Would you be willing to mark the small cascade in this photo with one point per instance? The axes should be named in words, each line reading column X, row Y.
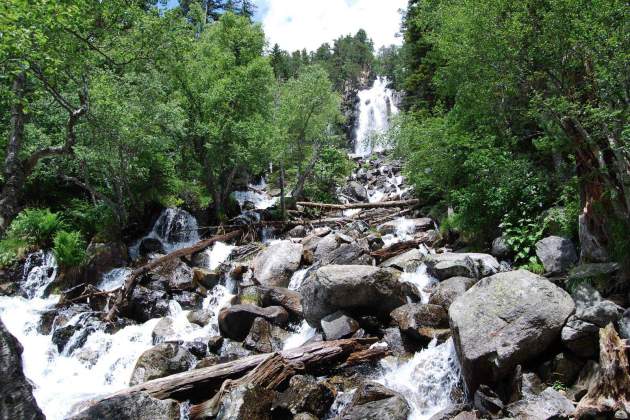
column 218, row 254
column 428, row 381
column 114, row 279
column 297, row 278
column 40, row 270
column 421, row 279
column 377, row 105
column 302, row 334
column 255, row 197
column 175, row 229
column 404, row 232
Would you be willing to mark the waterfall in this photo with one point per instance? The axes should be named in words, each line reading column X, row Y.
column 40, row 270
column 376, row 106
column 175, row 229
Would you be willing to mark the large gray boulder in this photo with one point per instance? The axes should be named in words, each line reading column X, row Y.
column 556, row 254
column 549, row 404
column 447, row 291
column 421, row 321
column 275, row 265
column 505, row 320
column 356, row 190
column 131, row 407
column 592, row 312
column 16, row 401
column 338, row 325
column 236, row 320
column 264, row 337
column 160, row 361
column 470, row 264
column 404, row 261
column 356, row 289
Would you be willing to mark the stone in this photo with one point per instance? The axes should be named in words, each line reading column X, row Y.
column 398, row 344
column 160, row 361
column 450, row 264
column 103, row 257
column 356, row 190
column 215, row 343
column 356, row 289
column 16, row 401
column 394, row 408
column 150, row 246
column 246, row 402
column 304, row 394
column 420, row 321
column 556, row 254
column 236, row 320
column 404, row 260
column 275, row 265
column 305, row 416
column 487, row 402
column 592, row 312
column 338, row 325
column 505, row 320
column 549, row 404
column 201, row 317
column 375, row 242
column 280, row 296
column 445, row 293
column 500, row 248
column 131, row 407
column 624, row 325
column 264, row 337
column 163, row 330
column 565, row 369
column 297, row 232
column 206, row 278
column 346, row 254
column 596, row 274
column 146, row 304
column 451, row 412
column 207, row 362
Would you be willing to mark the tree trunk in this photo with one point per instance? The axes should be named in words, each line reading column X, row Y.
column 14, row 177
column 298, row 191
column 610, row 391
column 283, row 203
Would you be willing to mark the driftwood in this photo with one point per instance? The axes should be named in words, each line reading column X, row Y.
column 201, row 384
column 271, row 374
column 381, row 204
column 130, row 283
column 610, row 391
column 401, row 247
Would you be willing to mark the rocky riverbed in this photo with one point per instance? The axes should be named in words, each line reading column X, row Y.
column 374, row 313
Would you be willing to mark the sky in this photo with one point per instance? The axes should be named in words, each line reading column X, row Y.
column 297, row 24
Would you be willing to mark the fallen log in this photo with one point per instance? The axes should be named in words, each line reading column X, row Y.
column 130, row 283
column 201, row 384
column 401, row 247
column 610, row 392
column 381, row 204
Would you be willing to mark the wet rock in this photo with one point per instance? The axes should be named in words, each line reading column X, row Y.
column 206, row 278
column 235, row 321
column 104, row 257
column 405, row 260
column 447, row 291
column 297, row 232
column 394, row 408
column 188, row 300
column 163, row 330
column 215, row 343
column 338, row 325
column 160, row 361
column 280, row 296
column 356, row 190
column 131, row 407
column 246, row 402
column 487, row 402
column 375, row 242
column 150, row 246
column 146, row 304
column 505, row 320
column 500, row 248
column 421, row 321
column 581, row 333
column 414, row 225
column 208, row 361
column 201, row 317
column 16, row 401
column 197, row 348
column 275, row 265
column 550, row 404
column 556, row 254
column 624, row 325
column 471, row 264
column 452, row 412
column 357, row 289
column 398, row 344
column 304, row 395
column 264, row 337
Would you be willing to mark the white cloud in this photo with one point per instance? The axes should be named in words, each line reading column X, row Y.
column 297, row 24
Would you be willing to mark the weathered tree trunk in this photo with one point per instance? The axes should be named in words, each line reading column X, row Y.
column 298, row 191
column 382, row 204
column 201, row 384
column 611, row 390
column 130, row 283
column 13, row 170
column 283, row 203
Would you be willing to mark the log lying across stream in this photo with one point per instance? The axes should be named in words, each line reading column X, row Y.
column 201, row 384
column 382, row 204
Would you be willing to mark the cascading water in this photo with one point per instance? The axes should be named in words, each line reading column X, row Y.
column 376, row 106
column 257, row 195
column 40, row 270
column 175, row 229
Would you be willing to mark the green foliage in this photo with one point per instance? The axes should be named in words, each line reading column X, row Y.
column 69, row 249
column 35, row 227
column 522, row 236
column 559, row 386
column 331, row 169
column 11, row 250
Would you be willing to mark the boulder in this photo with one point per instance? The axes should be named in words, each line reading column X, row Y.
column 505, row 320
column 304, row 394
column 592, row 312
column 201, row 317
column 246, row 402
column 487, row 402
column 280, row 296
column 549, row 404
column 348, row 253
column 264, row 337
column 624, row 325
column 146, row 304
column 17, row 401
column 356, row 191
column 356, row 289
column 500, row 248
column 150, row 246
column 275, row 265
column 421, row 321
column 394, row 408
column 215, row 343
column 406, row 260
column 297, row 232
column 450, row 289
column 556, row 254
column 160, row 361
column 450, row 264
column 131, row 407
column 163, row 330
column 338, row 325
column 206, row 278
column 104, row 257
column 411, row 226
column 236, row 321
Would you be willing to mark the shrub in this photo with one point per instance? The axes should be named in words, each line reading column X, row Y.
column 12, row 249
column 522, row 237
column 69, row 249
column 35, row 226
